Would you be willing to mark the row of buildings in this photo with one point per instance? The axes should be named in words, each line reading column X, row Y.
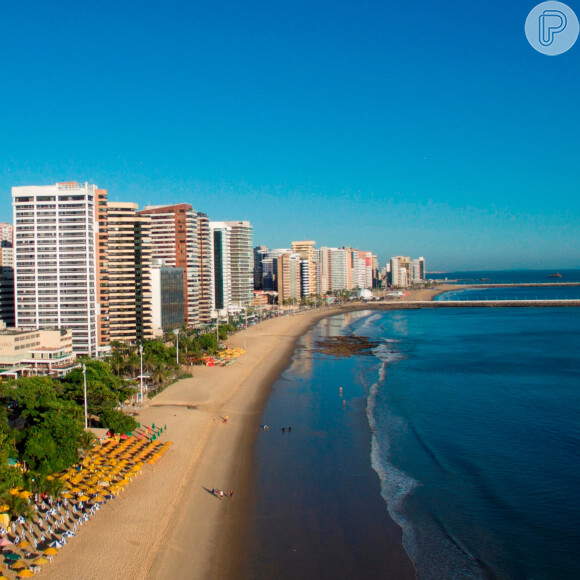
column 402, row 271
column 304, row 270
column 108, row 271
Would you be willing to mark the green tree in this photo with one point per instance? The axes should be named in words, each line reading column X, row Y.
column 117, row 421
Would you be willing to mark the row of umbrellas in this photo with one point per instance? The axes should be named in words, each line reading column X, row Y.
column 102, row 474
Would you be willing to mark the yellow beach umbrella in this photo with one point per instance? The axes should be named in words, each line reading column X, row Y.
column 40, row 561
column 50, row 552
column 4, row 519
column 24, row 544
column 84, row 498
column 14, row 491
column 18, row 566
column 25, row 574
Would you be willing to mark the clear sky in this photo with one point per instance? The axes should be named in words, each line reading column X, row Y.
column 416, row 128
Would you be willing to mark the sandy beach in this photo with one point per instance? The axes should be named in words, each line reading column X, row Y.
column 167, row 524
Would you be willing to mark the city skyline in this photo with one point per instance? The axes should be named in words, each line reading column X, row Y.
column 449, row 136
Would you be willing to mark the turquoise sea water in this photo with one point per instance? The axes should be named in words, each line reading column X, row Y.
column 468, row 419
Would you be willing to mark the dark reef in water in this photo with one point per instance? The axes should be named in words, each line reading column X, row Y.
column 346, row 346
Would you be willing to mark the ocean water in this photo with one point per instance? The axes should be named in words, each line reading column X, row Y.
column 463, row 426
column 476, row 432
column 513, row 293
column 507, row 276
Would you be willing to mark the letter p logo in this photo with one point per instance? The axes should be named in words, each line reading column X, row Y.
column 552, row 28
column 551, row 22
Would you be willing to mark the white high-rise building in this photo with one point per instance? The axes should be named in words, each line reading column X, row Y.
column 54, row 262
column 242, row 263
column 418, row 270
column 338, row 269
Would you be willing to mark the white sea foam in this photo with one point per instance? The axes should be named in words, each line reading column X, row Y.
column 433, row 551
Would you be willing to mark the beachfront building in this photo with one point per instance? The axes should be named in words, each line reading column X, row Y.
column 260, row 253
column 6, row 245
column 288, row 277
column 400, row 271
column 7, row 295
column 35, row 352
column 221, row 280
column 308, row 254
column 205, row 261
column 241, row 263
column 174, row 240
column 339, row 269
column 54, row 260
column 167, row 298
column 322, row 260
column 126, row 294
column 418, row 273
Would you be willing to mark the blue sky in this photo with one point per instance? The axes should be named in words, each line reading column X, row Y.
column 423, row 128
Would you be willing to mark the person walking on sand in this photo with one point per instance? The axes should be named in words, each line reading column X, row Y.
column 231, row 494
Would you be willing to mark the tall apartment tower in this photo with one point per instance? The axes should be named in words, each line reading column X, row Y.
column 54, row 262
column 400, row 271
column 6, row 245
column 339, row 269
column 222, row 271
column 128, row 262
column 260, row 252
column 308, row 254
column 205, row 261
column 7, row 274
column 288, row 276
column 175, row 241
column 242, row 263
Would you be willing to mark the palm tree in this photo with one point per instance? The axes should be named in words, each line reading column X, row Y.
column 87, row 441
column 55, row 487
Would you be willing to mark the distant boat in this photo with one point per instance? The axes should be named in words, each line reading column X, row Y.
column 556, row 275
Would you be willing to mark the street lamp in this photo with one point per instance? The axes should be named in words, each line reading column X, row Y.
column 84, row 367
column 176, row 332
column 141, row 376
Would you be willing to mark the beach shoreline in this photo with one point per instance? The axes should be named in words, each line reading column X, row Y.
column 167, row 523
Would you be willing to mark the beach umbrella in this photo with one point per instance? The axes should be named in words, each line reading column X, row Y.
column 18, row 566
column 5, row 542
column 14, row 491
column 25, row 574
column 84, row 498
column 55, row 544
column 4, row 520
column 12, row 556
column 24, row 544
column 50, row 552
column 40, row 561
